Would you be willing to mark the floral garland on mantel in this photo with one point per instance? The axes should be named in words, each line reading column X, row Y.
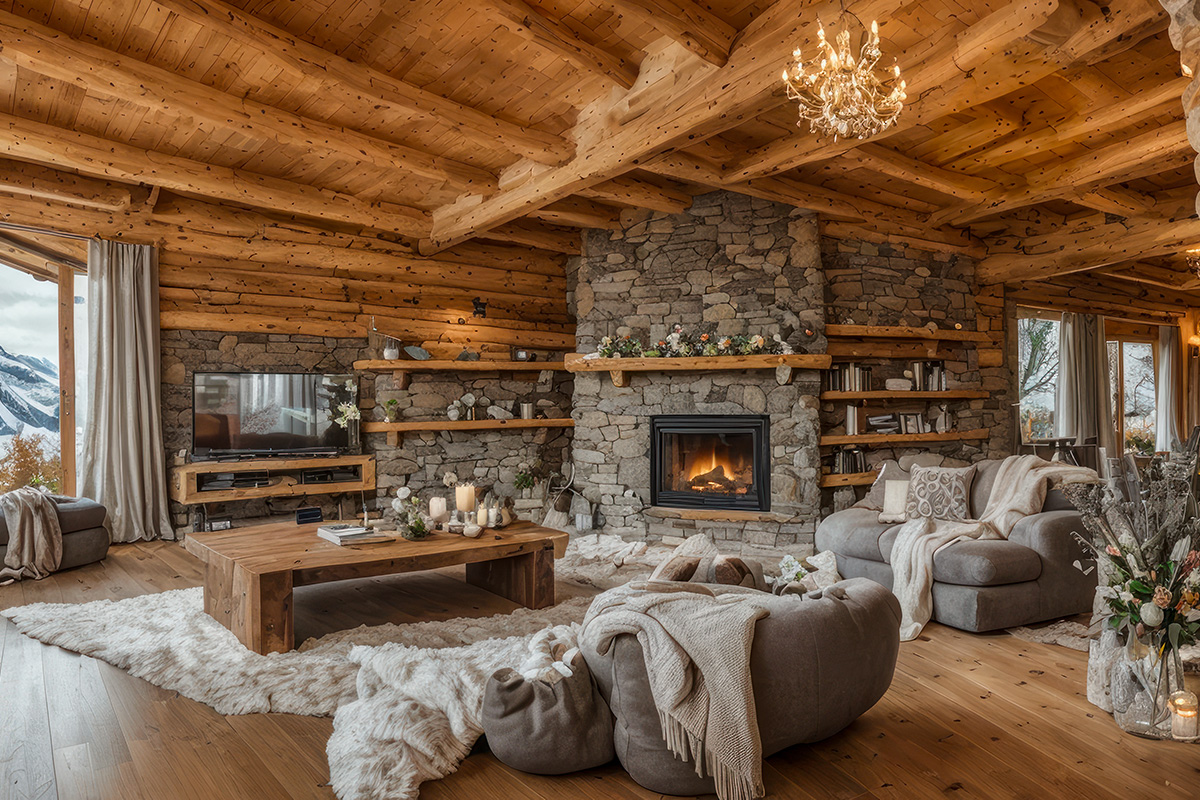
column 680, row 344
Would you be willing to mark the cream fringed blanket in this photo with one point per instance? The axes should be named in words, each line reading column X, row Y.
column 697, row 648
column 1019, row 490
column 34, row 535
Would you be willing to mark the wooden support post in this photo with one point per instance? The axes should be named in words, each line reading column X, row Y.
column 526, row 579
column 66, row 377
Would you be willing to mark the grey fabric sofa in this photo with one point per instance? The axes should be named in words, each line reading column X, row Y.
column 85, row 539
column 980, row 585
column 817, row 664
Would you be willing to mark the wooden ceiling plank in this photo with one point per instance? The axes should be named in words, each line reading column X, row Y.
column 1119, row 160
column 49, row 255
column 627, row 190
column 689, row 23
column 526, row 20
column 333, row 74
column 745, row 87
column 888, row 162
column 978, row 65
column 544, row 237
column 1097, row 240
column 104, row 72
column 33, row 180
column 580, row 213
column 1141, row 272
column 103, row 158
column 1116, row 200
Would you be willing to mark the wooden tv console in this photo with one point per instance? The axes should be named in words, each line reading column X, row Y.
column 285, row 478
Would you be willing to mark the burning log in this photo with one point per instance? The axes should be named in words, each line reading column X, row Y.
column 715, row 476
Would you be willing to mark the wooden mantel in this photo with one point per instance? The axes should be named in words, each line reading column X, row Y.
column 619, row 368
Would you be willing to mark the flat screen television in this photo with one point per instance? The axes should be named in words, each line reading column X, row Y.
column 268, row 414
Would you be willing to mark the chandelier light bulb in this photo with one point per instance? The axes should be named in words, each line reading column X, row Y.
column 839, row 92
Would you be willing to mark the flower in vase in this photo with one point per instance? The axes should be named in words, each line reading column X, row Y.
column 1112, row 550
column 1162, row 597
column 1152, row 615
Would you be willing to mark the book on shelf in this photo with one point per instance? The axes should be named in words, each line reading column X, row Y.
column 884, row 423
column 927, row 376
column 850, row 377
column 849, row 461
column 852, row 420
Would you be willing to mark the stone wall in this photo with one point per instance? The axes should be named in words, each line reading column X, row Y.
column 730, row 264
column 881, row 284
column 418, row 461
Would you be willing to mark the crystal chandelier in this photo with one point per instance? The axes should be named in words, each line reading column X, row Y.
column 840, row 95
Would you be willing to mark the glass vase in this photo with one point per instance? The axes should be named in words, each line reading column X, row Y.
column 1142, row 684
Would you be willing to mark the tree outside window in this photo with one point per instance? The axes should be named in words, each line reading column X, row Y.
column 1037, row 374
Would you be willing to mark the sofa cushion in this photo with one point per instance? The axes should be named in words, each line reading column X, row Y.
column 986, row 562
column 74, row 514
column 888, row 471
column 940, row 492
column 981, row 487
column 852, row 532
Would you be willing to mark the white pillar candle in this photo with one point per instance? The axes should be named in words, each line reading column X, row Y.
column 481, row 514
column 437, row 509
column 1185, row 724
column 464, row 497
column 493, row 516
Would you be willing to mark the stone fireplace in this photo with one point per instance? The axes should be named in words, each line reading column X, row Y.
column 720, row 461
column 730, row 264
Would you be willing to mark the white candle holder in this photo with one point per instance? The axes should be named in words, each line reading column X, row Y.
column 1185, row 716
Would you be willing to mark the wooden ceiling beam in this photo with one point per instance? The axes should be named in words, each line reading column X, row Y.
column 533, row 234
column 42, row 183
column 710, row 104
column 50, row 256
column 580, row 213
column 1116, row 200
column 103, row 72
column 997, row 55
column 887, row 162
column 1025, row 143
column 331, row 75
column 526, row 20
column 48, row 145
column 16, row 260
column 638, row 193
column 689, row 23
column 1153, row 275
column 1154, row 151
column 1061, row 298
column 1090, row 242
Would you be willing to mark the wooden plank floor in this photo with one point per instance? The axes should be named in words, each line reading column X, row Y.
column 967, row 716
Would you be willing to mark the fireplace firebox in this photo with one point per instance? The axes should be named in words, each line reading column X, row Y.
column 710, row 461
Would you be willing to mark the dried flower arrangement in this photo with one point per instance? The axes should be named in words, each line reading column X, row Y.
column 679, row 344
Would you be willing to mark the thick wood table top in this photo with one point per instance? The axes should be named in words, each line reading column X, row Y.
column 284, row 547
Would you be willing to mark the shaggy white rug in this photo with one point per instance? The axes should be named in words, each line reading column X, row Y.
column 1074, row 635
column 419, row 686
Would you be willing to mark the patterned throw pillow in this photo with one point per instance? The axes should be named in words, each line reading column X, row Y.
column 940, row 492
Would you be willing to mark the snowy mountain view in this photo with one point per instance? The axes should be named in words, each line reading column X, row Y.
column 28, row 396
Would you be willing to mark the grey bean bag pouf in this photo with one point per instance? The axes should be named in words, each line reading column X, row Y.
column 548, row 727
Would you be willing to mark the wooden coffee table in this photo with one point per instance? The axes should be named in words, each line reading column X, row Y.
column 250, row 572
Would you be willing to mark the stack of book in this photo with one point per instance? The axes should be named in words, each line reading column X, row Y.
column 928, row 376
column 849, row 377
column 884, row 423
column 343, row 534
column 849, row 461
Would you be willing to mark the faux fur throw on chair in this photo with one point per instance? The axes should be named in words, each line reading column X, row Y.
column 34, row 535
column 697, row 647
column 1019, row 490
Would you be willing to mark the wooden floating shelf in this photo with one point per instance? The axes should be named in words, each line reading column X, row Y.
column 870, row 439
column 849, row 479
column 395, row 429
column 285, row 473
column 903, row 332
column 402, row 370
column 619, row 368
column 884, row 396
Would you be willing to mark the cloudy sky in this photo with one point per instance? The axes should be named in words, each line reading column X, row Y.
column 28, row 315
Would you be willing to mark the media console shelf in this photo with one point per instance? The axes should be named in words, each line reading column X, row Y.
column 284, row 476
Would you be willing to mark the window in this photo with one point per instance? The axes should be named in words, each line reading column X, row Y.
column 1037, row 372
column 35, row 320
column 1131, row 372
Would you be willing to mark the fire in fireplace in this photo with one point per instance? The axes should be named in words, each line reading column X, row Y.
column 708, row 461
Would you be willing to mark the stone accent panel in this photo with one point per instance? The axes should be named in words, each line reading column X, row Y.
column 730, row 264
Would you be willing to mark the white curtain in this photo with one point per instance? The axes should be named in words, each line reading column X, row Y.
column 1166, row 390
column 124, row 464
column 1083, row 398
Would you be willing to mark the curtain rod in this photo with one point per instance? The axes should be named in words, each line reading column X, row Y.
column 13, row 226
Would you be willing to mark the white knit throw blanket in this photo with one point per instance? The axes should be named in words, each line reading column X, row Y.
column 34, row 535
column 1019, row 490
column 697, row 648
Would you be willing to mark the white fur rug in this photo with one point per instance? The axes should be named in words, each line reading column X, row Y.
column 419, row 686
column 1074, row 635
